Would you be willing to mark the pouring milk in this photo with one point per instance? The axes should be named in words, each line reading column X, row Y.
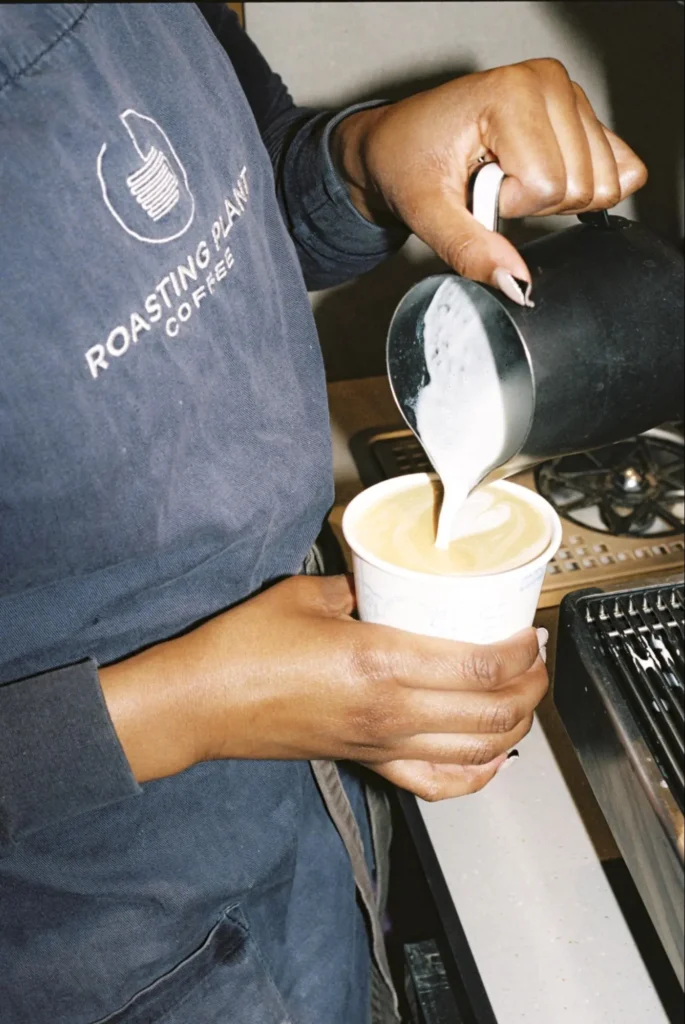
column 460, row 414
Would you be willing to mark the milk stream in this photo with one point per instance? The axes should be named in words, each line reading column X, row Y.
column 460, row 414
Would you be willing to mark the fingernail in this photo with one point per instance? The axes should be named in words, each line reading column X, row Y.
column 527, row 289
column 516, row 290
column 511, row 757
column 543, row 637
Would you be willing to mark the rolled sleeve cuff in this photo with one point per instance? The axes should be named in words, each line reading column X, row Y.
column 338, row 242
column 59, row 753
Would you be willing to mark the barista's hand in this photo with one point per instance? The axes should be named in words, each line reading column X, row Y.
column 414, row 159
column 290, row 674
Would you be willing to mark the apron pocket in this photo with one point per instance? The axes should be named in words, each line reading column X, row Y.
column 225, row 981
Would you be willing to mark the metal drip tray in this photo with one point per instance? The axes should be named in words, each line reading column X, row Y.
column 619, row 689
column 642, row 638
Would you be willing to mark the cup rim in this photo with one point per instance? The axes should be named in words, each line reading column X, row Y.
column 370, row 495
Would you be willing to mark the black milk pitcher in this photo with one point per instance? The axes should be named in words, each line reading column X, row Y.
column 599, row 358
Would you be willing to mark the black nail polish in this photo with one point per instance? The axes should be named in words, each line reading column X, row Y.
column 513, row 753
column 526, row 288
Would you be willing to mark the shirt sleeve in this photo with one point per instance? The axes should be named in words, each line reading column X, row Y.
column 334, row 242
column 59, row 753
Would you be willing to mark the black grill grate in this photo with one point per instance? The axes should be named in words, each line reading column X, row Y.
column 643, row 635
column 401, row 454
column 632, row 488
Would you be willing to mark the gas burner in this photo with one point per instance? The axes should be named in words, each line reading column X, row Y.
column 630, row 489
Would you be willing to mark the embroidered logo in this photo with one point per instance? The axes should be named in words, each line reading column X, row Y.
column 145, row 187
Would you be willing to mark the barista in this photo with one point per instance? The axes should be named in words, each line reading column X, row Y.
column 168, row 852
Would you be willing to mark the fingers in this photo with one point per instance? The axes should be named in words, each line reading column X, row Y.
column 556, row 157
column 330, row 596
column 334, row 595
column 520, row 133
column 632, row 173
column 550, row 163
column 444, row 702
column 430, row 663
column 434, row 782
column 605, row 172
column 556, row 154
column 571, row 133
column 461, row 749
column 444, row 223
column 495, row 713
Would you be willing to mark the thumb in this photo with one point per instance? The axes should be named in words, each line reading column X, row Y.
column 332, row 596
column 433, row 782
column 443, row 222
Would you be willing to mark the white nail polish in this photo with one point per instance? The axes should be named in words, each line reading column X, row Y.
column 543, row 637
column 527, row 288
column 508, row 284
column 503, row 280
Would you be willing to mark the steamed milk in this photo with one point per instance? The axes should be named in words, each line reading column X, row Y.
column 460, row 413
column 493, row 531
column 460, row 417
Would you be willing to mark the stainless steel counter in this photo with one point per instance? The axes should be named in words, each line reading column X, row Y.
column 523, row 859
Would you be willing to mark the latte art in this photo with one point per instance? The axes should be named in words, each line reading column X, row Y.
column 493, row 531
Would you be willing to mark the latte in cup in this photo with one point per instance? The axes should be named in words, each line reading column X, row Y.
column 482, row 588
column 495, row 530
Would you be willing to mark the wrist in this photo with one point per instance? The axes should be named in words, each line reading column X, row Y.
column 350, row 143
column 152, row 702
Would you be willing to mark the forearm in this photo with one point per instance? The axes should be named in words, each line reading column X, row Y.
column 288, row 674
column 153, row 699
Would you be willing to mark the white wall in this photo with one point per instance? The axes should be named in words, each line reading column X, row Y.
column 331, row 52
column 627, row 55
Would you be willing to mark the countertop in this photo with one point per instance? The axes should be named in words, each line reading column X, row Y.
column 523, row 859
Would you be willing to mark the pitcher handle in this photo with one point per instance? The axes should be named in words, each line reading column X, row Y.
column 485, row 196
column 596, row 219
column 487, row 183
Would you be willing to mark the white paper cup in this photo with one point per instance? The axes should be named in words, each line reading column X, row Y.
column 476, row 609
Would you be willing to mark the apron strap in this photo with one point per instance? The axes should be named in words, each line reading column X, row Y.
column 384, row 1004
